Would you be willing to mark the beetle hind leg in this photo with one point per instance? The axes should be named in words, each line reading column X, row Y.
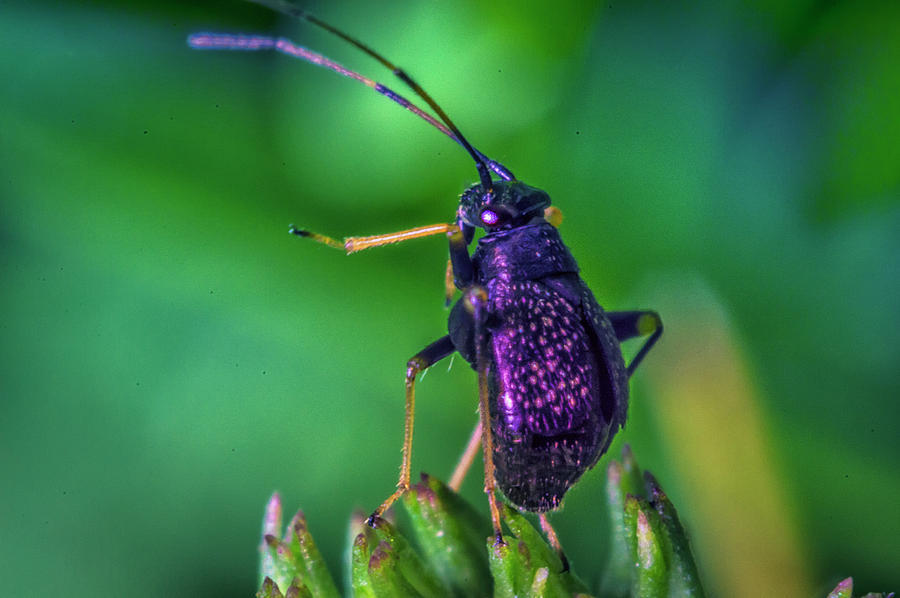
column 554, row 540
column 467, row 458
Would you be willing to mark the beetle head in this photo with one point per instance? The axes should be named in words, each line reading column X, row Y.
column 511, row 204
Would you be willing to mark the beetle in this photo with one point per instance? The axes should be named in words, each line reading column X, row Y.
column 552, row 381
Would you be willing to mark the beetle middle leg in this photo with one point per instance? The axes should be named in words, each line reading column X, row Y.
column 631, row 324
column 476, row 299
column 430, row 355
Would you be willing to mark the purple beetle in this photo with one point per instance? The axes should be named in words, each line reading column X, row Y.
column 553, row 386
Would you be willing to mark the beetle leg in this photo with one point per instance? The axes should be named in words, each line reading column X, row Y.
column 460, row 260
column 465, row 461
column 553, row 215
column 430, row 355
column 323, row 239
column 554, row 540
column 354, row 244
column 449, row 284
column 476, row 301
column 631, row 324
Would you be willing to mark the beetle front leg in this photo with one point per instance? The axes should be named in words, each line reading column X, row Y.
column 449, row 284
column 355, row 244
column 460, row 260
column 460, row 273
column 430, row 355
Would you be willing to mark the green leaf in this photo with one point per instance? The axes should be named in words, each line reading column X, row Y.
column 293, row 563
column 359, row 568
column 269, row 590
column 616, row 580
column 450, row 534
column 385, row 577
column 843, row 590
column 315, row 574
column 632, row 481
column 392, row 561
column 298, row 589
column 651, row 554
column 528, row 566
column 683, row 580
column 509, row 564
column 271, row 526
column 651, row 572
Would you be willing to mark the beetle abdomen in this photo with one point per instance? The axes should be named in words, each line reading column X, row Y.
column 535, row 474
column 545, row 393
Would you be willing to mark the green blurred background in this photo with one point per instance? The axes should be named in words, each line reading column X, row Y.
column 171, row 355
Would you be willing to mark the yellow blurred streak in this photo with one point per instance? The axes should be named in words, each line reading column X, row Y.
column 738, row 512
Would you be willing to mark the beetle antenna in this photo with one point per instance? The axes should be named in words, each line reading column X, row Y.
column 228, row 41
column 481, row 163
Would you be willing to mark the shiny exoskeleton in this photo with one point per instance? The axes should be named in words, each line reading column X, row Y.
column 557, row 383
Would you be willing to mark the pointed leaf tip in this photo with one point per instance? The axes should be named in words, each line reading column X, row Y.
column 271, row 525
column 539, row 585
column 271, row 541
column 269, row 590
column 298, row 590
column 616, row 579
column 843, row 590
column 614, row 473
column 654, row 490
column 630, row 479
column 380, row 555
column 646, row 541
column 272, row 518
column 296, row 528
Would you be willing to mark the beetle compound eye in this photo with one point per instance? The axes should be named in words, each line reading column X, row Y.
column 489, row 217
